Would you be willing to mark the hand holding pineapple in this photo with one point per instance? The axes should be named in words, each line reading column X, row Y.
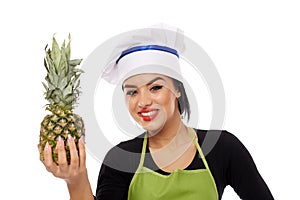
column 67, row 170
column 62, row 132
column 75, row 173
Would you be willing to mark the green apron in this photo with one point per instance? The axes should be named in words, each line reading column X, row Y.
column 147, row 184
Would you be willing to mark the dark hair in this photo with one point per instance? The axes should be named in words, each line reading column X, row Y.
column 183, row 102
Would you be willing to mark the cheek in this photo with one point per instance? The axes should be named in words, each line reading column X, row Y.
column 167, row 101
column 131, row 104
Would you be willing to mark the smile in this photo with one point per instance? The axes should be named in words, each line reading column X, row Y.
column 148, row 115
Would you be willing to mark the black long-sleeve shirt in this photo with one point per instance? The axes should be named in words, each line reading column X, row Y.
column 229, row 161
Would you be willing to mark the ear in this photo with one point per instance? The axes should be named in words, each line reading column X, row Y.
column 177, row 94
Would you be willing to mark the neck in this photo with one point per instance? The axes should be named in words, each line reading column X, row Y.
column 173, row 133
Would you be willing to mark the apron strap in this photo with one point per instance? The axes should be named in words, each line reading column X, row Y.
column 143, row 152
column 198, row 148
column 202, row 157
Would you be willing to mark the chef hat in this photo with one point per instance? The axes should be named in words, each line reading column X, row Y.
column 151, row 50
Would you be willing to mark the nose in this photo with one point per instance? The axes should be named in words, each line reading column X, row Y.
column 144, row 99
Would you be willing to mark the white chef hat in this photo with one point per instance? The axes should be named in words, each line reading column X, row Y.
column 151, row 50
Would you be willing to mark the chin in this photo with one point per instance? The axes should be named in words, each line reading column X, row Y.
column 153, row 130
column 155, row 126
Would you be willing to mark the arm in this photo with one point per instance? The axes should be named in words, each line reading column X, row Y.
column 115, row 174
column 74, row 174
column 118, row 169
column 242, row 173
column 112, row 184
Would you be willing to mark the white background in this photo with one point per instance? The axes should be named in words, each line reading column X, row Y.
column 255, row 46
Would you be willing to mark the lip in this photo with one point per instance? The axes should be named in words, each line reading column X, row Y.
column 148, row 114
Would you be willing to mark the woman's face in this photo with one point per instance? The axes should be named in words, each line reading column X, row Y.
column 151, row 100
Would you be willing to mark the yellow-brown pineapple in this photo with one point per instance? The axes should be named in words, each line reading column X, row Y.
column 62, row 92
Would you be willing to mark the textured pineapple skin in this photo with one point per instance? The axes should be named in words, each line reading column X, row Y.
column 60, row 123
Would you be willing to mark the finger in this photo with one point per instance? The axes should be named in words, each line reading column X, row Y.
column 40, row 152
column 82, row 153
column 73, row 153
column 48, row 161
column 62, row 158
column 39, row 148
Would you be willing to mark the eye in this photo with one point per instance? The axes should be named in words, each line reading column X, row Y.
column 131, row 92
column 156, row 87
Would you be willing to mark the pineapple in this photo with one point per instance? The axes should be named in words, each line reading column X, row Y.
column 62, row 91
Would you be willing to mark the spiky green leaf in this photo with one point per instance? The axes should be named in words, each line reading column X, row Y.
column 50, row 84
column 56, row 55
column 77, row 85
column 62, row 75
column 78, row 71
column 63, row 83
column 46, row 65
column 63, row 65
column 70, row 98
column 75, row 62
column 48, row 95
column 45, row 86
column 68, row 49
column 53, row 77
column 67, row 90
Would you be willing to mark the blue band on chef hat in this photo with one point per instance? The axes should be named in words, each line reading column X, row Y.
column 147, row 47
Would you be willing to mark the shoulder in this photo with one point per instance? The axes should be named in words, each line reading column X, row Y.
column 133, row 145
column 223, row 148
column 221, row 134
column 232, row 164
column 126, row 155
column 212, row 140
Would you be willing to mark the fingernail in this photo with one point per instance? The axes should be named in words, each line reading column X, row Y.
column 47, row 146
column 70, row 138
column 59, row 142
column 82, row 139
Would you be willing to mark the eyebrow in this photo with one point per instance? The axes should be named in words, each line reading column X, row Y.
column 149, row 83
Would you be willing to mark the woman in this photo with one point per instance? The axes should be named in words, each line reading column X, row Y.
column 165, row 162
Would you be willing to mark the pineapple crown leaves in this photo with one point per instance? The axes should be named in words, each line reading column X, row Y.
column 62, row 79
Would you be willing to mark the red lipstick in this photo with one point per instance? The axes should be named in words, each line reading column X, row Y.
column 148, row 114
